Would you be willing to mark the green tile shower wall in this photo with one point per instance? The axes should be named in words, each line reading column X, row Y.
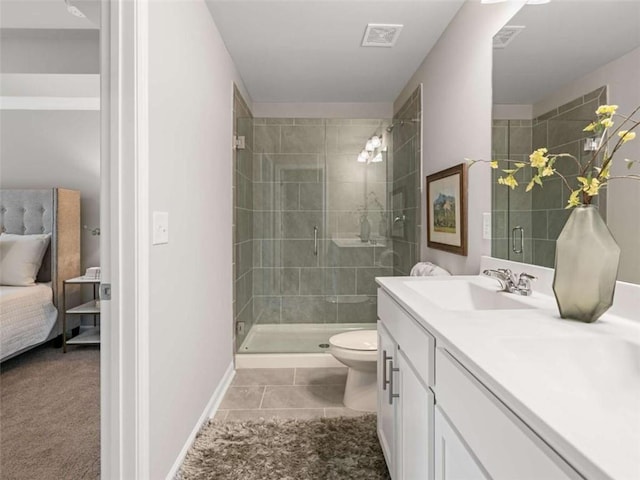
column 305, row 174
column 405, row 176
column 542, row 212
column 243, row 218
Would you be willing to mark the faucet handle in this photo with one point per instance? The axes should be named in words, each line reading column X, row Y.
column 524, row 283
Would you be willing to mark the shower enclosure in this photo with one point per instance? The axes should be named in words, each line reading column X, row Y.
column 313, row 228
column 525, row 225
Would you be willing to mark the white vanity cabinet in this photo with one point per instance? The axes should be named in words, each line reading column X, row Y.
column 454, row 460
column 405, row 401
column 386, row 408
column 491, row 438
column 437, row 421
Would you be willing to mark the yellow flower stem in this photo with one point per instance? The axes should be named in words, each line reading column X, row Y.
column 561, row 155
column 603, row 143
column 564, row 179
column 617, row 146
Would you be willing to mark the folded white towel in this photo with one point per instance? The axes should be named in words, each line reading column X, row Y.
column 428, row 269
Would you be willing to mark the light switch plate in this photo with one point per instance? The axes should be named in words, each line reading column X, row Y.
column 160, row 228
column 486, row 226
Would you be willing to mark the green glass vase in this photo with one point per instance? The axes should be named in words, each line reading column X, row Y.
column 587, row 258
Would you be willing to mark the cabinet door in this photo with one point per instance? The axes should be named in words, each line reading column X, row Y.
column 386, row 409
column 415, row 412
column 453, row 459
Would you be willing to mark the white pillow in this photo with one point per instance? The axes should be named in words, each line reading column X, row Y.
column 21, row 257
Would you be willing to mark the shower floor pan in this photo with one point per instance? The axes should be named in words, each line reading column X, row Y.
column 296, row 337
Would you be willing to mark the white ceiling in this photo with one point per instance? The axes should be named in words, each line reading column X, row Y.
column 562, row 41
column 48, row 14
column 309, row 51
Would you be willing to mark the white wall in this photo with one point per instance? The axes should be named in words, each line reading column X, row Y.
column 323, row 110
column 622, row 77
column 52, row 148
column 456, row 105
column 47, row 149
column 49, row 51
column 513, row 112
column 191, row 317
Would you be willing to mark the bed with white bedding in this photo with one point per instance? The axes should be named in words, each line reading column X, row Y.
column 29, row 315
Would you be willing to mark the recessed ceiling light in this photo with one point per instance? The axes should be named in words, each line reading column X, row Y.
column 381, row 35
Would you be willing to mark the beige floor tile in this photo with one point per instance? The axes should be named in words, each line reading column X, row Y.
column 242, row 398
column 267, row 414
column 263, row 376
column 343, row 412
column 220, row 415
column 309, row 396
column 321, row 376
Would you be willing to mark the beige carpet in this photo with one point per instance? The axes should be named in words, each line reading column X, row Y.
column 342, row 448
column 50, row 414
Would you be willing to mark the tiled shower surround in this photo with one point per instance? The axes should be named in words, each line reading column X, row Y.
column 541, row 213
column 406, row 181
column 296, row 175
column 305, row 176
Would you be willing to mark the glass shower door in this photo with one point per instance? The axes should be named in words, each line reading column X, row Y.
column 313, row 272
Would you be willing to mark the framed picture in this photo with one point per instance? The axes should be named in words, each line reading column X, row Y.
column 447, row 210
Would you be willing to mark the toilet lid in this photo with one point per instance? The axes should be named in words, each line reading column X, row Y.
column 356, row 340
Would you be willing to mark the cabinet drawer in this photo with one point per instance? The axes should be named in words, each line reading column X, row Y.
column 416, row 343
column 504, row 446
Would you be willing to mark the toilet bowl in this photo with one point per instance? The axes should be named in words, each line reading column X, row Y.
column 358, row 350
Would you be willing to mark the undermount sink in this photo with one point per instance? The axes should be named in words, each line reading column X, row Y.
column 466, row 295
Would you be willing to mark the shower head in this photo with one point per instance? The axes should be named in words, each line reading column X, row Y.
column 401, row 123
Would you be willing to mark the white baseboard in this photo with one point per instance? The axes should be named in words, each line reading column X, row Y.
column 286, row 360
column 208, row 412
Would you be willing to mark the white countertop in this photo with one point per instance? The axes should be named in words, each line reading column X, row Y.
column 577, row 385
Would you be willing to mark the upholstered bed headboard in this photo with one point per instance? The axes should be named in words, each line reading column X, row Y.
column 55, row 211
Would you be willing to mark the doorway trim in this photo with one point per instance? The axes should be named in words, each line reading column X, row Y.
column 125, row 244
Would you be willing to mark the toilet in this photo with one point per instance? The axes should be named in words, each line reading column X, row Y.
column 358, row 350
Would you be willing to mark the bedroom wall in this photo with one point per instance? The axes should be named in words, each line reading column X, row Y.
column 191, row 114
column 457, row 92
column 46, row 149
column 43, row 50
column 53, row 148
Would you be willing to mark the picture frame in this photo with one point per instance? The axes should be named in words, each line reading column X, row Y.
column 446, row 195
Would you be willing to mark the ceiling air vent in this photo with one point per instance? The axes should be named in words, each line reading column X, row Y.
column 381, row 35
column 505, row 36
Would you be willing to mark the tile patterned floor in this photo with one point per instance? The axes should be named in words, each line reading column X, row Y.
column 300, row 393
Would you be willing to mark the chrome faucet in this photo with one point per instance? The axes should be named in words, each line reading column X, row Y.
column 510, row 282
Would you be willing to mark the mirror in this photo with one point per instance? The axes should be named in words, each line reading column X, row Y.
column 554, row 64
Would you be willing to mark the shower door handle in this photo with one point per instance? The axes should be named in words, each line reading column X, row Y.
column 315, row 240
column 520, row 249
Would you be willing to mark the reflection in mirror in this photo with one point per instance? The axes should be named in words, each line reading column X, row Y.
column 547, row 83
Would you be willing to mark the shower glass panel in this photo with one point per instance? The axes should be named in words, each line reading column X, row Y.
column 512, row 209
column 319, row 232
column 527, row 224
